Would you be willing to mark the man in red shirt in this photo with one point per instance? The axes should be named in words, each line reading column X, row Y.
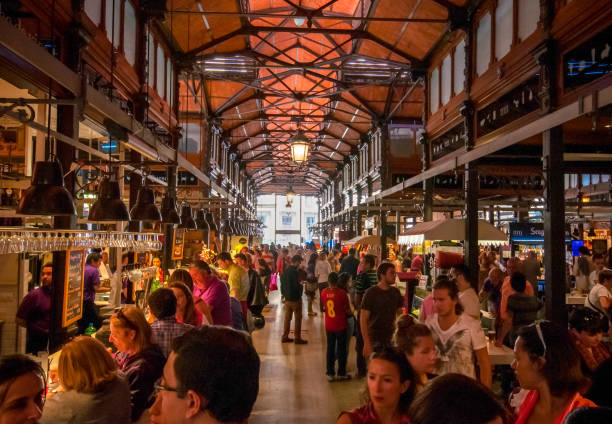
column 337, row 308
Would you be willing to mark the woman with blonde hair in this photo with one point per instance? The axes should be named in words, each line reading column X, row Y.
column 88, row 375
column 138, row 359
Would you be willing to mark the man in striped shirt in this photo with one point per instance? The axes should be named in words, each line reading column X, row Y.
column 365, row 279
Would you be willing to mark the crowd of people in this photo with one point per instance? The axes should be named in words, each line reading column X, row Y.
column 192, row 360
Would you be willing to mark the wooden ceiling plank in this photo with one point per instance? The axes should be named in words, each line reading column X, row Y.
column 404, row 97
column 193, row 52
column 233, row 101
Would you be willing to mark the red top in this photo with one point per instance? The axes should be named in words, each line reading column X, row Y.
column 336, row 303
column 366, row 415
column 530, row 401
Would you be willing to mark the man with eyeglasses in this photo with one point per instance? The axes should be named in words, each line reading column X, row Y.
column 211, row 376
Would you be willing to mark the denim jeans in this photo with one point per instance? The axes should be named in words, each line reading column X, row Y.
column 336, row 348
column 350, row 330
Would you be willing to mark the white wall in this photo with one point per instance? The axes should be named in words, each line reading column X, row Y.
column 272, row 210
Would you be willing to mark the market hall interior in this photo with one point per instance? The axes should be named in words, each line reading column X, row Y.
column 145, row 143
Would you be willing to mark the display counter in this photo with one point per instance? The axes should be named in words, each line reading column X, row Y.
column 575, row 299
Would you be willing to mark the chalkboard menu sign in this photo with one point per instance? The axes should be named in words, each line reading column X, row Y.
column 177, row 243
column 73, row 287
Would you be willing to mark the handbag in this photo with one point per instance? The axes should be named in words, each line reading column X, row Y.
column 273, row 282
column 311, row 286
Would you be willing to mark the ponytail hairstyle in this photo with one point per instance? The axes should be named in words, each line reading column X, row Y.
column 453, row 291
column 408, row 332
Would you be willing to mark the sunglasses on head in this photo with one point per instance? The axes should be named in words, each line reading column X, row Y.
column 126, row 320
column 541, row 336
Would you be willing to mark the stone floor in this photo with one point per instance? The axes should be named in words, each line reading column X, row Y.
column 292, row 386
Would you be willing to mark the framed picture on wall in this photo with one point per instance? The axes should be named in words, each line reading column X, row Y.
column 12, row 140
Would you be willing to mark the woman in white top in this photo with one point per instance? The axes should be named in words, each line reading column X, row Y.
column 600, row 296
column 322, row 271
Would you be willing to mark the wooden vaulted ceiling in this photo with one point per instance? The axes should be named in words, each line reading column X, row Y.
column 263, row 74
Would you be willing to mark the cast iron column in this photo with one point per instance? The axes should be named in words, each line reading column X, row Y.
column 383, row 235
column 171, row 178
column 471, row 184
column 471, row 222
column 554, row 225
column 428, row 186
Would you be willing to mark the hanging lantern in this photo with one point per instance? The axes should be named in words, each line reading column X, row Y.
column 47, row 194
column 299, row 148
column 290, row 196
column 109, row 206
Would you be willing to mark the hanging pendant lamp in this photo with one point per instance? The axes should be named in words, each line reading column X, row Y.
column 47, row 194
column 145, row 208
column 200, row 219
column 226, row 227
column 109, row 206
column 187, row 220
column 169, row 213
column 210, row 219
column 237, row 226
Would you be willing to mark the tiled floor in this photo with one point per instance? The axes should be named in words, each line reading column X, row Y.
column 292, row 385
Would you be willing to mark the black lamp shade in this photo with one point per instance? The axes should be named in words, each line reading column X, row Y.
column 187, row 220
column 145, row 209
column 212, row 225
column 169, row 213
column 234, row 226
column 201, row 219
column 47, row 195
column 109, row 206
column 226, row 227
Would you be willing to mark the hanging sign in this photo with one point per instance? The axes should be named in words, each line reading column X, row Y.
column 589, row 61
column 522, row 230
column 448, row 142
column 178, row 243
column 515, row 104
column 72, row 309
